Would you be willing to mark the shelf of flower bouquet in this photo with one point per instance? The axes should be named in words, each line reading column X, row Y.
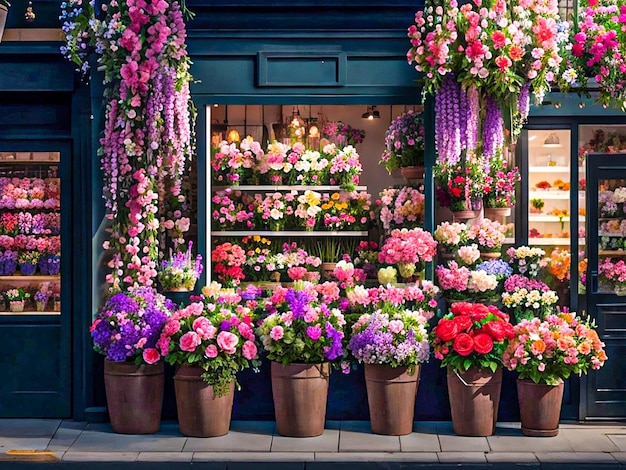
column 33, row 278
column 290, row 233
column 30, row 157
column 286, row 188
column 553, row 194
column 31, row 313
column 550, row 241
column 553, row 169
column 551, row 218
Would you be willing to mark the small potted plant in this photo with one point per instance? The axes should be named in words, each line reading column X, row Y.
column 28, row 262
column 42, row 295
column 180, row 272
column 16, row 297
column 210, row 341
column 125, row 331
column 536, row 205
column 409, row 250
column 489, row 235
column 8, row 262
column 404, row 145
column 545, row 351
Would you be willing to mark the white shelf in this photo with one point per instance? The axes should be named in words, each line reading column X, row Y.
column 289, row 233
column 284, row 188
column 548, row 169
column 553, row 241
column 553, row 194
column 552, row 218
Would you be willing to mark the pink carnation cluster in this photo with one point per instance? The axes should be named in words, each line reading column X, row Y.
column 413, row 246
column 489, row 235
column 29, row 193
column 403, row 207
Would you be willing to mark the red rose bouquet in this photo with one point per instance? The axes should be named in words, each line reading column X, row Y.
column 472, row 335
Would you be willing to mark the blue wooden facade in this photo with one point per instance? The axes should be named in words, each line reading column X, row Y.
column 243, row 52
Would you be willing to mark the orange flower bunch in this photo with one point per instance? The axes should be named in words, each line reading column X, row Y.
column 559, row 263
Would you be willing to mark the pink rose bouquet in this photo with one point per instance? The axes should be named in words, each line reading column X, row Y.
column 489, row 235
column 550, row 350
column 410, row 250
column 215, row 334
column 401, row 207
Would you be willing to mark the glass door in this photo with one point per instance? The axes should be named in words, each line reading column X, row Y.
column 606, row 284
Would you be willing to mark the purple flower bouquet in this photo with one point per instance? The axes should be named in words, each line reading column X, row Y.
column 8, row 263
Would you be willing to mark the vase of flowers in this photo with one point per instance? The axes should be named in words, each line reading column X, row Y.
column 42, row 295
column 8, row 262
column 180, row 272
column 210, row 341
column 404, row 145
column 545, row 352
column 409, row 250
column 28, row 262
column 449, row 237
column 470, row 341
column 17, row 298
column 499, row 189
column 392, row 342
column 302, row 336
column 489, row 235
column 125, row 331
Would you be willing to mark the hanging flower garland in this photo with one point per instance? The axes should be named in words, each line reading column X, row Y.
column 482, row 60
column 147, row 135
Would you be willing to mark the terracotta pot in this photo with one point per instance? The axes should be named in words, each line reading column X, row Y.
column 490, row 254
column 495, row 213
column 200, row 412
column 474, row 400
column 465, row 215
column 412, row 172
column 300, row 394
column 391, row 393
column 134, row 396
column 540, row 407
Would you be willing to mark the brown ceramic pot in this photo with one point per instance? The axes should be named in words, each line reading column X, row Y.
column 391, row 393
column 134, row 396
column 412, row 172
column 496, row 213
column 300, row 394
column 540, row 407
column 200, row 412
column 474, row 400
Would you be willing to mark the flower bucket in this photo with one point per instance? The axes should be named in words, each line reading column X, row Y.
column 465, row 215
column 490, row 255
column 200, row 412
column 474, row 399
column 41, row 305
column 300, row 394
column 16, row 305
column 495, row 213
column 412, row 172
column 391, row 393
column 540, row 407
column 28, row 269
column 134, row 396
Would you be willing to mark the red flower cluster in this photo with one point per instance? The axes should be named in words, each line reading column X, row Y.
column 472, row 335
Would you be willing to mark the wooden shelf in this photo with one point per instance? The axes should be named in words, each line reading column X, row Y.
column 283, row 188
column 35, row 278
column 612, row 253
column 289, row 233
column 30, row 313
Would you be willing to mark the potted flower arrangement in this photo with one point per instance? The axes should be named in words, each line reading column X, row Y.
column 409, row 250
column 612, row 276
column 527, row 298
column 404, row 145
column 28, row 262
column 489, row 235
column 16, row 297
column 366, row 258
column 302, row 337
column 461, row 283
column 180, row 272
column 536, row 205
column 460, row 187
column 470, row 341
column 526, row 260
column 125, row 331
column 50, row 264
column 392, row 341
column 42, row 295
column 344, row 167
column 401, row 207
column 227, row 260
column 545, row 352
column 499, row 189
column 8, row 262
column 210, row 341
column 450, row 236
column 341, row 134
